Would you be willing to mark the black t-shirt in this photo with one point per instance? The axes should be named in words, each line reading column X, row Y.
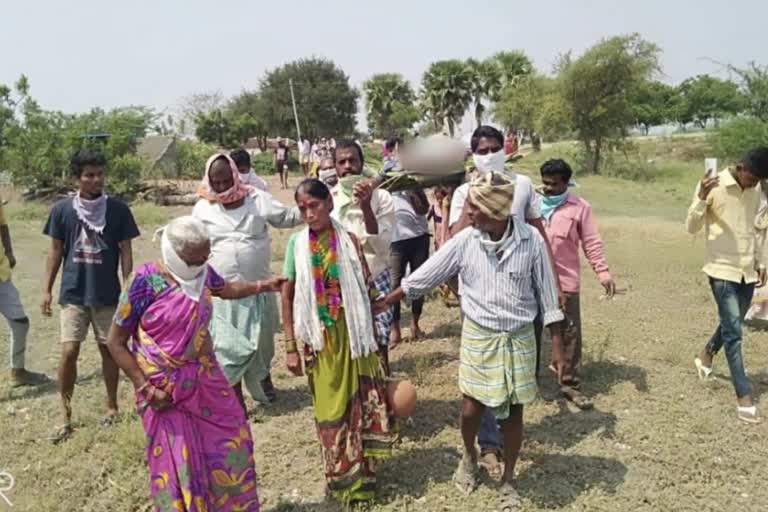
column 90, row 271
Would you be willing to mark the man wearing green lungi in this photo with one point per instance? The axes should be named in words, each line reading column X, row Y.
column 507, row 279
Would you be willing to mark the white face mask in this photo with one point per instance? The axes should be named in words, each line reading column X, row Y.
column 191, row 278
column 490, row 162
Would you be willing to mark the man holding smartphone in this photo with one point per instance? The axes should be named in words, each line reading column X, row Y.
column 725, row 205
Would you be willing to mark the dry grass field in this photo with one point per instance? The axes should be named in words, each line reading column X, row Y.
column 657, row 440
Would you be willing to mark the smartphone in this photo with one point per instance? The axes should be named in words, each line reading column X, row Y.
column 710, row 167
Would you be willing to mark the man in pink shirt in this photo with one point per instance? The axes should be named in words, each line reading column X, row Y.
column 568, row 224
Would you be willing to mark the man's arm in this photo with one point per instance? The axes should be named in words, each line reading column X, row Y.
column 594, row 250
column 5, row 236
column 129, row 231
column 419, row 201
column 544, row 283
column 53, row 262
column 458, row 212
column 280, row 216
column 460, row 224
column 539, row 225
column 126, row 258
column 364, row 193
column 697, row 212
column 443, row 265
column 547, row 292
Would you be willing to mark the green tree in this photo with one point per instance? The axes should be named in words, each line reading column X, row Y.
column 215, row 128
column 510, row 66
column 37, row 144
column 520, row 103
column 597, row 88
column 485, row 82
column 192, row 157
column 390, row 105
column 446, row 91
column 533, row 103
column 740, row 135
column 553, row 121
column 249, row 112
column 326, row 103
column 754, row 86
column 197, row 104
column 704, row 98
column 10, row 102
column 652, row 104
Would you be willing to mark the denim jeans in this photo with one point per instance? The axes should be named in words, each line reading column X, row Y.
column 733, row 301
column 489, row 437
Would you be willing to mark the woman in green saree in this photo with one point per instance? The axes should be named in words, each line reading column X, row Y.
column 328, row 323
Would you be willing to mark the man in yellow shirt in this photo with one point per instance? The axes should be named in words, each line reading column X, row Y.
column 13, row 311
column 726, row 206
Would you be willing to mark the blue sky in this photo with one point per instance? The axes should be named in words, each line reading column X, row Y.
column 84, row 53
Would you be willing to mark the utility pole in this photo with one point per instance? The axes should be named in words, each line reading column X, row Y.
column 295, row 114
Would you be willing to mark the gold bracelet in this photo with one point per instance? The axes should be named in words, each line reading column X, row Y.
column 291, row 347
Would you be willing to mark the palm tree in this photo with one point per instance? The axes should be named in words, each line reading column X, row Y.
column 446, row 92
column 510, row 65
column 387, row 95
column 485, row 79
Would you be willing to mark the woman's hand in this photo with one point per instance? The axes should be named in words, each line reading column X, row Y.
column 243, row 289
column 157, row 398
column 293, row 362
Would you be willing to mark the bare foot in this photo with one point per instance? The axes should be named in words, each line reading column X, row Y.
column 395, row 338
column 111, row 417
column 706, row 358
column 416, row 333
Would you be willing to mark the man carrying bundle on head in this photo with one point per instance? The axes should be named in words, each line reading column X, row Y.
column 506, row 280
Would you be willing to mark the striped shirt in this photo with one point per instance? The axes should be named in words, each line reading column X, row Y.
column 502, row 293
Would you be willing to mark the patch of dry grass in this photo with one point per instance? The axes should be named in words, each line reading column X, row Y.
column 658, row 440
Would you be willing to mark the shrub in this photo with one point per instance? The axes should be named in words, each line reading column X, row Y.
column 124, row 174
column 736, row 138
column 192, row 157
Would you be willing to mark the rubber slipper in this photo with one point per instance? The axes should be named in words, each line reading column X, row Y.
column 62, row 433
column 748, row 414
column 490, row 460
column 509, row 499
column 578, row 399
column 465, row 477
column 28, row 378
column 702, row 371
column 109, row 419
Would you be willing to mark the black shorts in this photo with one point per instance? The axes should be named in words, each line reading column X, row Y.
column 281, row 166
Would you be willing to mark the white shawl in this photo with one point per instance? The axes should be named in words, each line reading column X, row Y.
column 354, row 292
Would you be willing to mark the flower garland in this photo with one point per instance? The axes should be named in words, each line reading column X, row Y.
column 328, row 292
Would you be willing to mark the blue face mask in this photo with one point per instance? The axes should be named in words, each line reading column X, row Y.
column 551, row 203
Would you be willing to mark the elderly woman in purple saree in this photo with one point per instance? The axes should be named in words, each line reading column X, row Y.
column 199, row 444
